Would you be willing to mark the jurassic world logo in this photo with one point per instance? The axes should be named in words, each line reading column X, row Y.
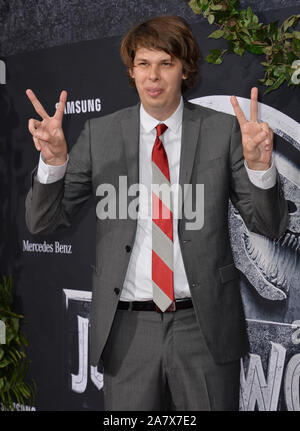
column 269, row 374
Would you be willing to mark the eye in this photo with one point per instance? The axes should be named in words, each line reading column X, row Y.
column 291, row 207
column 166, row 63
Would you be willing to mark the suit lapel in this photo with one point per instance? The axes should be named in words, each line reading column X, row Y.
column 131, row 136
column 191, row 124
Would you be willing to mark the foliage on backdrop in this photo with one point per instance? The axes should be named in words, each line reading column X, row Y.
column 243, row 32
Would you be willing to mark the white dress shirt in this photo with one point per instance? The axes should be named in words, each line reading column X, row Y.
column 138, row 280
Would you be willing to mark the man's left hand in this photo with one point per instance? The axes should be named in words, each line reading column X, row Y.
column 257, row 138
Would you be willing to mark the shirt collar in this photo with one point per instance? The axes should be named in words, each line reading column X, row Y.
column 173, row 122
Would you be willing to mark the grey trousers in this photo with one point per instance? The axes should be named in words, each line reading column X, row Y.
column 160, row 361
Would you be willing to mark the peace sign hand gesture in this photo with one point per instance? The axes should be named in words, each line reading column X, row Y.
column 257, row 138
column 48, row 136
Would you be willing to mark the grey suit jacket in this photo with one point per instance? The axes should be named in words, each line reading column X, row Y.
column 212, row 155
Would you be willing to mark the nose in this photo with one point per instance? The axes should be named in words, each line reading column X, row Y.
column 153, row 72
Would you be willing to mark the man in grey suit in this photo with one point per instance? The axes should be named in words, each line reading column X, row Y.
column 186, row 355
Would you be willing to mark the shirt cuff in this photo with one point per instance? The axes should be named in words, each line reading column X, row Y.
column 47, row 174
column 263, row 179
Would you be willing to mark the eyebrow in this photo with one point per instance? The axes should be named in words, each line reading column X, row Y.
column 146, row 59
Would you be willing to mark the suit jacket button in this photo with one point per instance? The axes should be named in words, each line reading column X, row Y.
column 116, row 290
column 128, row 248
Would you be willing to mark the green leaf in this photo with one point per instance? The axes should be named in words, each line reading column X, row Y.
column 14, row 325
column 16, row 394
column 290, row 57
column 235, row 36
column 296, row 34
column 269, row 82
column 211, row 19
column 267, row 50
column 216, row 7
column 195, row 7
column 4, row 363
column 260, row 35
column 245, row 30
column 296, row 45
column 250, row 13
column 238, row 50
column 14, row 357
column 215, row 56
column 288, row 22
column 255, row 49
column 217, row 34
column 276, row 84
column 13, row 362
column 274, row 31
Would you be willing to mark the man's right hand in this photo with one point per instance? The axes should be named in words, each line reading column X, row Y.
column 48, row 136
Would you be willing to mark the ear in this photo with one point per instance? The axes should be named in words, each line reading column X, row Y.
column 130, row 71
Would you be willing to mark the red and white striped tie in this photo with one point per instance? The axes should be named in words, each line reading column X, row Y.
column 162, row 228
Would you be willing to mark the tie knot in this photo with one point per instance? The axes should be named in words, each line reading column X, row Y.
column 160, row 129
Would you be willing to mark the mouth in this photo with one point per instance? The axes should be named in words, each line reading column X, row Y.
column 274, row 260
column 154, row 92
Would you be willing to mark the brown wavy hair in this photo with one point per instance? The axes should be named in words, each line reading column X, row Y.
column 168, row 33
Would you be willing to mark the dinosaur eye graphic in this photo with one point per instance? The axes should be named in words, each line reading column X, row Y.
column 292, row 207
column 271, row 267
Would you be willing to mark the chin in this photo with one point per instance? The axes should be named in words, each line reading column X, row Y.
column 154, row 104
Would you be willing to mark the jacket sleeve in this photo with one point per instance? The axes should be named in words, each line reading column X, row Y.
column 264, row 211
column 49, row 206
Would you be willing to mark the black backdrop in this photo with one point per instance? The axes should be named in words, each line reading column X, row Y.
column 52, row 275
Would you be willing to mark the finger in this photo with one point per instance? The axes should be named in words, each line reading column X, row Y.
column 38, row 131
column 254, row 104
column 37, row 144
column 260, row 137
column 238, row 111
column 36, row 104
column 269, row 141
column 42, row 135
column 61, row 106
column 265, row 127
column 268, row 146
column 33, row 125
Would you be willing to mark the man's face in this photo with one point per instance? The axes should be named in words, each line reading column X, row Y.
column 158, row 80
